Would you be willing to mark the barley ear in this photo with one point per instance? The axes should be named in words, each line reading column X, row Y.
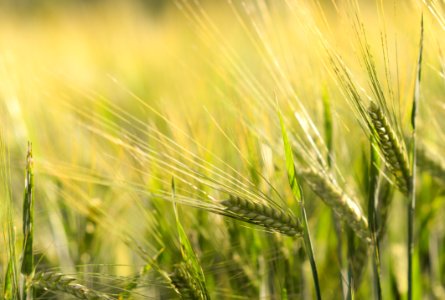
column 186, row 284
column 389, row 145
column 265, row 216
column 191, row 268
column 59, row 283
column 27, row 266
column 343, row 205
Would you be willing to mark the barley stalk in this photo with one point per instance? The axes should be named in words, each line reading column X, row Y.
column 343, row 206
column 389, row 145
column 412, row 186
column 57, row 282
column 264, row 215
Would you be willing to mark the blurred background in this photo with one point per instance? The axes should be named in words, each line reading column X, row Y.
column 106, row 90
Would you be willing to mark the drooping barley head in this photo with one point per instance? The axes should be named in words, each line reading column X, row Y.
column 263, row 215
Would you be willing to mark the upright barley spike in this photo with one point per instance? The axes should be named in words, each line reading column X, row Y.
column 27, row 267
column 389, row 145
column 185, row 284
column 264, row 215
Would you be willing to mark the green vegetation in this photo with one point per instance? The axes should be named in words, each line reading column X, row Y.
column 222, row 150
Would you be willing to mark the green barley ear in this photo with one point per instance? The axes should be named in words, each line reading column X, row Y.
column 27, row 267
column 59, row 283
column 271, row 218
column 189, row 270
column 345, row 207
column 391, row 148
column 185, row 283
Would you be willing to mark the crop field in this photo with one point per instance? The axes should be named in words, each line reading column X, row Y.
column 199, row 149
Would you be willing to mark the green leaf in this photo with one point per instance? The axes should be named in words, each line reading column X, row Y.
column 418, row 76
column 290, row 165
column 328, row 127
column 296, row 190
column 8, row 289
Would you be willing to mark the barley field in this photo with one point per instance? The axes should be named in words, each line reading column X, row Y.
column 198, row 149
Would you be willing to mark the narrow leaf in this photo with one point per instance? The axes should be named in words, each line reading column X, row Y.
column 290, row 165
column 328, row 127
column 418, row 76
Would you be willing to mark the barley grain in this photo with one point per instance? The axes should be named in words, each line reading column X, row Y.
column 264, row 215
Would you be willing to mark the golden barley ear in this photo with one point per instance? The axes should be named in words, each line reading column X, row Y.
column 346, row 208
column 391, row 148
column 263, row 215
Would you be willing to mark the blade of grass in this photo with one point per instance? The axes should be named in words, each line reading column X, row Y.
column 350, row 250
column 328, row 126
column 372, row 194
column 297, row 193
column 412, row 194
column 10, row 288
column 10, row 285
column 329, row 134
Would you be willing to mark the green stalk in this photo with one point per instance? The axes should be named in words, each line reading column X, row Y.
column 310, row 251
column 412, row 191
column 27, row 267
column 372, row 194
column 297, row 193
column 10, row 285
column 328, row 135
column 411, row 214
column 350, row 240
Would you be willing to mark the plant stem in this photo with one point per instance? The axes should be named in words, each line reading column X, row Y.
column 412, row 187
column 372, row 194
column 411, row 211
column 27, row 267
column 309, row 251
